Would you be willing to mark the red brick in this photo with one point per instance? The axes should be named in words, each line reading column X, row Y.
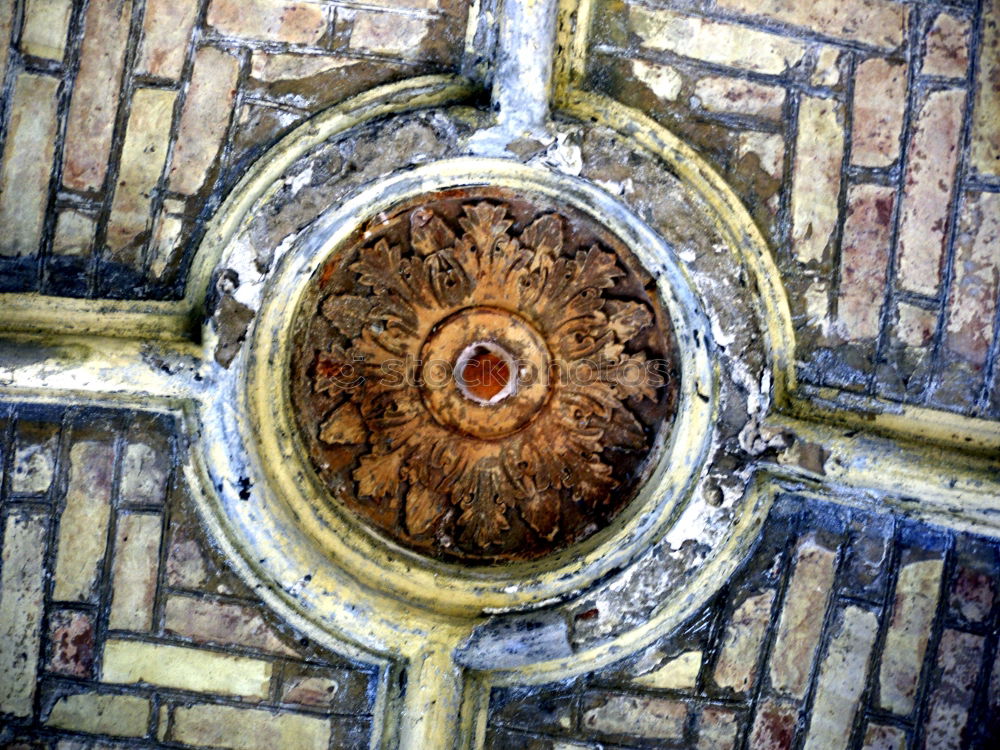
column 984, row 153
column 773, row 726
column 947, row 51
column 879, row 101
column 71, row 638
column 209, row 621
column 864, row 260
column 959, row 657
column 274, row 20
column 973, row 593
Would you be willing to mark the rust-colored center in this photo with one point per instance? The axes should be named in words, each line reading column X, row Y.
column 485, row 375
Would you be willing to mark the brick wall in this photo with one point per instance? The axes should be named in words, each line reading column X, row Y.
column 863, row 137
column 118, row 625
column 843, row 629
column 123, row 123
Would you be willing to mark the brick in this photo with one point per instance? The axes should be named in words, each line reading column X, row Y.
column 930, row 174
column 915, row 326
column 116, row 715
column 147, row 137
column 272, row 20
column 984, row 151
column 166, row 30
column 45, row 25
column 208, row 621
column 74, row 234
column 737, row 665
column 916, row 600
column 71, row 639
column 802, row 618
column 717, row 729
column 269, row 67
column 34, row 458
column 662, row 80
column 864, row 259
column 827, row 71
column 882, row 737
column 343, row 689
column 973, row 297
column 248, row 728
column 819, row 151
column 680, row 673
column 94, row 103
column 145, row 470
column 27, row 163
column 959, row 657
column 841, row 681
column 881, row 23
column 205, row 118
column 732, row 95
column 773, row 726
column 947, row 51
column 768, row 149
column 83, row 526
column 973, row 593
column 22, row 581
column 136, row 565
column 388, row 34
column 652, row 718
column 166, row 244
column 713, row 42
column 879, row 102
column 131, row 662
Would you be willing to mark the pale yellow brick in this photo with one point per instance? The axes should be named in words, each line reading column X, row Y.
column 827, row 71
column 27, row 163
column 136, row 564
column 680, row 673
column 737, row 665
column 802, row 618
column 876, row 22
column 144, row 153
column 842, row 679
column 915, row 326
column 916, row 600
column 717, row 728
column 388, row 34
column 879, row 102
column 930, row 175
column 74, row 234
column 45, row 25
column 205, row 118
column 167, row 242
column 882, row 737
column 736, row 96
column 166, row 29
column 83, row 526
column 269, row 67
column 662, row 80
column 34, row 458
column 94, row 104
column 116, row 715
column 22, row 581
column 984, row 152
column 248, row 728
column 864, row 260
column 652, row 718
column 947, row 47
column 721, row 43
column 819, row 151
column 130, row 662
column 144, row 473
column 274, row 20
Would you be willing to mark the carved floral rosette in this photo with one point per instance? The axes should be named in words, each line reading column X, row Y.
column 483, row 377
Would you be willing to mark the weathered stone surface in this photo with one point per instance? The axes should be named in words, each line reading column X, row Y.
column 842, row 679
column 182, row 668
column 947, row 47
column 22, row 581
column 83, row 527
column 145, row 469
column 74, row 234
column 144, row 152
column 27, row 163
column 71, row 639
column 654, row 718
column 166, row 29
column 916, row 599
column 94, row 103
column 864, row 259
column 720, row 94
column 136, row 563
column 773, row 726
column 879, row 103
column 388, row 34
column 973, row 298
column 882, row 737
column 717, row 729
column 34, row 458
column 273, row 20
column 802, row 617
column 737, row 664
column 720, row 43
column 930, row 175
column 206, row 621
column 680, row 673
column 45, row 25
column 248, row 728
column 984, row 152
column 205, row 118
column 973, row 593
column 959, row 657
column 915, row 326
column 819, row 151
column 878, row 22
column 117, row 715
column 6, row 21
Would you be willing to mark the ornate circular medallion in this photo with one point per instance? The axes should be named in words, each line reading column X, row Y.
column 482, row 375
